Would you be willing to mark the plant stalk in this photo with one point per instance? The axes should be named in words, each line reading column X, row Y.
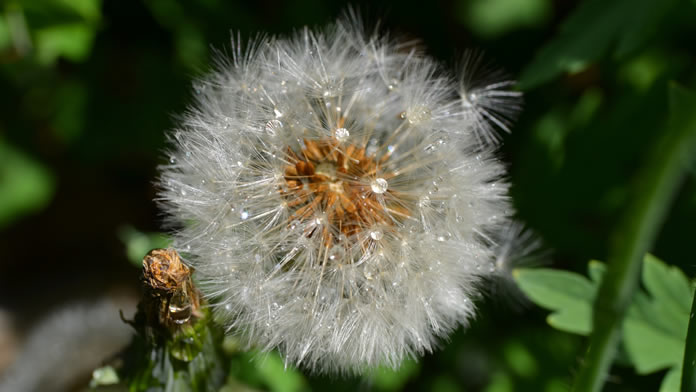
column 657, row 185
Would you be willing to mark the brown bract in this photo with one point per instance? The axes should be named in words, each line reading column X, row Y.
column 163, row 269
column 173, row 298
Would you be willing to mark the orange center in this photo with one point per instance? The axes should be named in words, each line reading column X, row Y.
column 331, row 181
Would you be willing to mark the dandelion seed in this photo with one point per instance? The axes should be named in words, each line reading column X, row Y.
column 372, row 200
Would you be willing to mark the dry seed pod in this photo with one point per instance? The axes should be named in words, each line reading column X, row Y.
column 172, row 295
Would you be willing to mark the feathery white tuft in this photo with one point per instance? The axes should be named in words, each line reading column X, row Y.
column 336, row 198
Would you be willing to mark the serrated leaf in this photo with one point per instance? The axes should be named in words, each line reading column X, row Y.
column 653, row 332
column 576, row 320
column 568, row 294
column 649, row 347
column 667, row 284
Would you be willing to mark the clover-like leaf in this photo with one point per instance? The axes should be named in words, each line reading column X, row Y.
column 655, row 326
column 568, row 294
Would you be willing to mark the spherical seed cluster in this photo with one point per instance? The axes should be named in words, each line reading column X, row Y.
column 336, row 193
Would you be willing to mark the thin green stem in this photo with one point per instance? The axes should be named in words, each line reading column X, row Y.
column 688, row 382
column 657, row 184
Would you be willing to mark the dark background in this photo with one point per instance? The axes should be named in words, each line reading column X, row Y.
column 88, row 89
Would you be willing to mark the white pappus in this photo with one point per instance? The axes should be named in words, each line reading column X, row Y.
column 336, row 193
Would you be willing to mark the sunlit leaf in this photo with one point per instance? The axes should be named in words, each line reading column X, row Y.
column 520, row 360
column 72, row 41
column 279, row 377
column 672, row 380
column 568, row 294
column 655, row 326
column 650, row 348
column 500, row 382
column 89, row 9
column 5, row 39
column 495, row 17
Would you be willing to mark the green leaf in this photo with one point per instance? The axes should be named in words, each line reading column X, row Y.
column 649, row 347
column 491, row 18
column 672, row 380
column 667, row 284
column 568, row 294
column 591, row 31
column 596, row 270
column 72, row 41
column 643, row 21
column 655, row 326
column 25, row 185
column 5, row 39
column 88, row 9
column 280, row 378
column 138, row 243
column 386, row 379
column 584, row 37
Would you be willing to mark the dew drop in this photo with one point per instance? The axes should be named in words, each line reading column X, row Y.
column 172, row 160
column 273, row 126
column 424, row 201
column 244, row 214
column 342, row 134
column 336, row 253
column 376, row 235
column 278, row 113
column 444, row 236
column 418, row 114
column 379, row 185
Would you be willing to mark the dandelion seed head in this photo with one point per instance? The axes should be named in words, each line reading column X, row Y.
column 335, row 198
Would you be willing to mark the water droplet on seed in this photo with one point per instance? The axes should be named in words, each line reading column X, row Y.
column 273, row 126
column 376, row 235
column 379, row 185
column 342, row 134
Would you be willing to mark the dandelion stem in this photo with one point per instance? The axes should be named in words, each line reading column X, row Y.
column 657, row 185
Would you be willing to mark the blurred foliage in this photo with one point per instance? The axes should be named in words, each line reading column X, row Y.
column 25, row 185
column 139, row 244
column 655, row 327
column 88, row 88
